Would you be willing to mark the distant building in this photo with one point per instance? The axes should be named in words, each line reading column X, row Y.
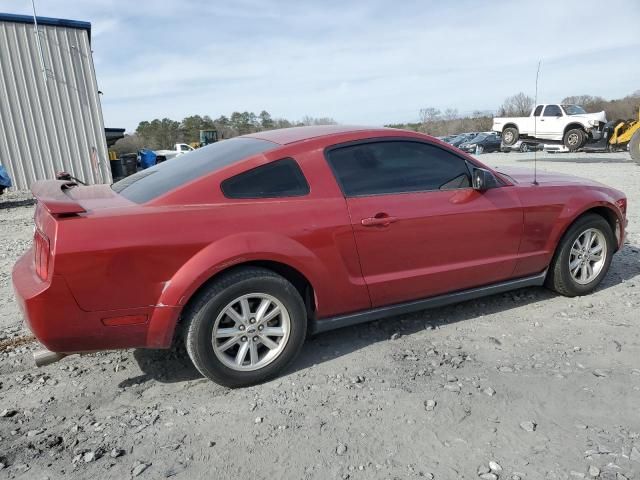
column 50, row 113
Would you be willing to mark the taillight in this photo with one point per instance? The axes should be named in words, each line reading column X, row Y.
column 42, row 254
column 622, row 205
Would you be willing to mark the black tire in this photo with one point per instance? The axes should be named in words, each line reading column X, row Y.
column 574, row 139
column 510, row 136
column 559, row 277
column 524, row 147
column 634, row 147
column 203, row 311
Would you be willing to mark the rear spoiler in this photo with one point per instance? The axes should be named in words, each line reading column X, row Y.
column 51, row 194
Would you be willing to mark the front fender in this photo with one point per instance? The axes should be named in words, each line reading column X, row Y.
column 576, row 208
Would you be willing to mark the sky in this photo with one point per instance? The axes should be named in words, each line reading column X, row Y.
column 370, row 62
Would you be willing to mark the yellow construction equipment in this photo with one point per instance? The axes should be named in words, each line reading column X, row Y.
column 619, row 135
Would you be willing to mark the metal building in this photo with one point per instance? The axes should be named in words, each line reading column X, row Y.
column 50, row 113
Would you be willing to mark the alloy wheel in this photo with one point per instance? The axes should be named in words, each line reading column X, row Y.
column 588, row 255
column 251, row 331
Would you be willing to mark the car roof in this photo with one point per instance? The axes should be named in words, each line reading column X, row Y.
column 285, row 136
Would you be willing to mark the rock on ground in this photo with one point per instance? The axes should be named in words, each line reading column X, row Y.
column 353, row 404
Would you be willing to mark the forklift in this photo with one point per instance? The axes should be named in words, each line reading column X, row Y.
column 207, row 137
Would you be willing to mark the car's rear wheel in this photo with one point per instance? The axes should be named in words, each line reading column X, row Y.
column 524, row 147
column 574, row 139
column 510, row 136
column 583, row 257
column 245, row 327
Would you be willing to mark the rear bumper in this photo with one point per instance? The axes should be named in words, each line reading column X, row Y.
column 53, row 315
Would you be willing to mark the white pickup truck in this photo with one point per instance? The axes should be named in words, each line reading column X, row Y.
column 178, row 149
column 569, row 124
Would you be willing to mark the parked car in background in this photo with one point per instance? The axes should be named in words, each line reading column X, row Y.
column 246, row 245
column 461, row 138
column 482, row 143
column 523, row 146
column 178, row 149
column 447, row 138
column 570, row 124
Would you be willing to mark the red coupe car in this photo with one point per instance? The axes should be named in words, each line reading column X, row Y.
column 248, row 244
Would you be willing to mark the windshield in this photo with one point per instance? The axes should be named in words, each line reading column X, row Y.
column 148, row 184
column 573, row 110
column 477, row 138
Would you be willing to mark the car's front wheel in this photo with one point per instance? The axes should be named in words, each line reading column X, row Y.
column 583, row 257
column 245, row 327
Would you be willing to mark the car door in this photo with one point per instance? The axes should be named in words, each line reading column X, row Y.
column 551, row 123
column 420, row 228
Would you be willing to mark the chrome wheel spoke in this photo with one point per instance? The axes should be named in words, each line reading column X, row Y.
column 573, row 265
column 228, row 344
column 242, row 353
column 233, row 315
column 262, row 309
column 227, row 332
column 271, row 315
column 273, row 332
column 245, row 309
column 253, row 352
column 267, row 342
column 596, row 249
column 583, row 272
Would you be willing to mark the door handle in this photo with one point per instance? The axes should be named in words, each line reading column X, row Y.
column 542, row 119
column 379, row 220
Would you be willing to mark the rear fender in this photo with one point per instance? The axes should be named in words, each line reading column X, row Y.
column 226, row 253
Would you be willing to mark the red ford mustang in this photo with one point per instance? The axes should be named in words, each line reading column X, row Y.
column 247, row 244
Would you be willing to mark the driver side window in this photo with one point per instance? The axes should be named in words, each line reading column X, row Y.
column 387, row 167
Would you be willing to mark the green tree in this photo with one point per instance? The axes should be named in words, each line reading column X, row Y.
column 266, row 122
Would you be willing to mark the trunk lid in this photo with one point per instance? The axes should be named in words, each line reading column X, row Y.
column 65, row 198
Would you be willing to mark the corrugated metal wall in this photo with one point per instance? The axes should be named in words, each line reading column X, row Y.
column 52, row 125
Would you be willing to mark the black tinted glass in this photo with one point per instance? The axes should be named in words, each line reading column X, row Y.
column 552, row 111
column 396, row 167
column 537, row 111
column 282, row 178
column 148, row 184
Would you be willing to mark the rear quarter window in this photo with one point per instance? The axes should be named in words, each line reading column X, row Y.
column 282, row 178
column 153, row 182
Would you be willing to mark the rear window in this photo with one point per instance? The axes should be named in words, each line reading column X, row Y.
column 282, row 178
column 148, row 184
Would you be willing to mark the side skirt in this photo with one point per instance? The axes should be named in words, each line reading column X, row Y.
column 331, row 323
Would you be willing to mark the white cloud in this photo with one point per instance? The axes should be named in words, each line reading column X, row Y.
column 359, row 62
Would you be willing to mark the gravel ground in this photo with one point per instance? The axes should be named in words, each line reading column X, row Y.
column 525, row 385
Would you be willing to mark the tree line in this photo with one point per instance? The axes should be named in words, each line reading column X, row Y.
column 163, row 133
column 436, row 122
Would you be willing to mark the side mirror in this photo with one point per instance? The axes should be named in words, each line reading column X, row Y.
column 482, row 180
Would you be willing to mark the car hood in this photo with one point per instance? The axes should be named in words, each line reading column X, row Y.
column 525, row 176
column 599, row 116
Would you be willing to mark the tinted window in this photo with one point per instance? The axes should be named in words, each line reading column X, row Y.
column 552, row 111
column 395, row 167
column 537, row 111
column 151, row 183
column 282, row 178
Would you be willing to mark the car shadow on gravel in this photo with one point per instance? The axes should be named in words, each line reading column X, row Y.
column 174, row 366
